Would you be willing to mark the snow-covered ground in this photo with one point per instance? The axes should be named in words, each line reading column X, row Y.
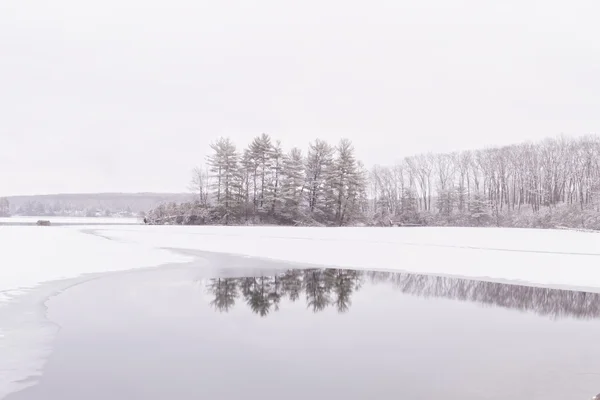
column 30, row 255
column 554, row 258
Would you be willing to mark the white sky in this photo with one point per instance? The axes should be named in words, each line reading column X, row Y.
column 125, row 95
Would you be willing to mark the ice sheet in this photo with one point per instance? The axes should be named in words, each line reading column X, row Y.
column 554, row 258
column 30, row 255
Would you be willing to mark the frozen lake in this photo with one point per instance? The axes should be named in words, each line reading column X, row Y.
column 251, row 329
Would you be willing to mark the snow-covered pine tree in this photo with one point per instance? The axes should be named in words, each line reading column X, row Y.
column 292, row 187
column 479, row 209
column 318, row 167
column 446, row 201
column 273, row 193
column 261, row 152
column 358, row 206
column 410, row 210
column 247, row 175
column 223, row 164
column 344, row 181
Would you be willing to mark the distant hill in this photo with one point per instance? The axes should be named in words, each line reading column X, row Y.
column 92, row 204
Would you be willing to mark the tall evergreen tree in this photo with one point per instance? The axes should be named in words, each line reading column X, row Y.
column 223, row 164
column 273, row 194
column 318, row 168
column 479, row 209
column 345, row 180
column 247, row 174
column 261, row 153
column 293, row 185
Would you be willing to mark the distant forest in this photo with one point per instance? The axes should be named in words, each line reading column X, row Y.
column 549, row 184
column 87, row 205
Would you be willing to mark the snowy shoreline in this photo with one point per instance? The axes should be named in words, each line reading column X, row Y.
column 563, row 259
column 546, row 258
column 33, row 255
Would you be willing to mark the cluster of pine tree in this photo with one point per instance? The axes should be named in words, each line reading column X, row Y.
column 265, row 185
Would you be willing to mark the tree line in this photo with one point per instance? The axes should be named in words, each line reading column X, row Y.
column 552, row 183
column 324, row 288
column 60, row 209
column 545, row 184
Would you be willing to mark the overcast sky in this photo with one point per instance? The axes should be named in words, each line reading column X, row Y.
column 126, row 95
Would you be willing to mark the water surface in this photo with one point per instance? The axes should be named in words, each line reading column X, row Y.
column 270, row 332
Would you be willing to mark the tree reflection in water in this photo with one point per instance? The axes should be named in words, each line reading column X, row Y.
column 225, row 291
column 323, row 288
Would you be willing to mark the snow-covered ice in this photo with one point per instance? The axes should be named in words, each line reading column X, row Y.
column 553, row 258
column 30, row 255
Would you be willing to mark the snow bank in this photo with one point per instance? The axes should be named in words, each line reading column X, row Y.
column 552, row 258
column 30, row 255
